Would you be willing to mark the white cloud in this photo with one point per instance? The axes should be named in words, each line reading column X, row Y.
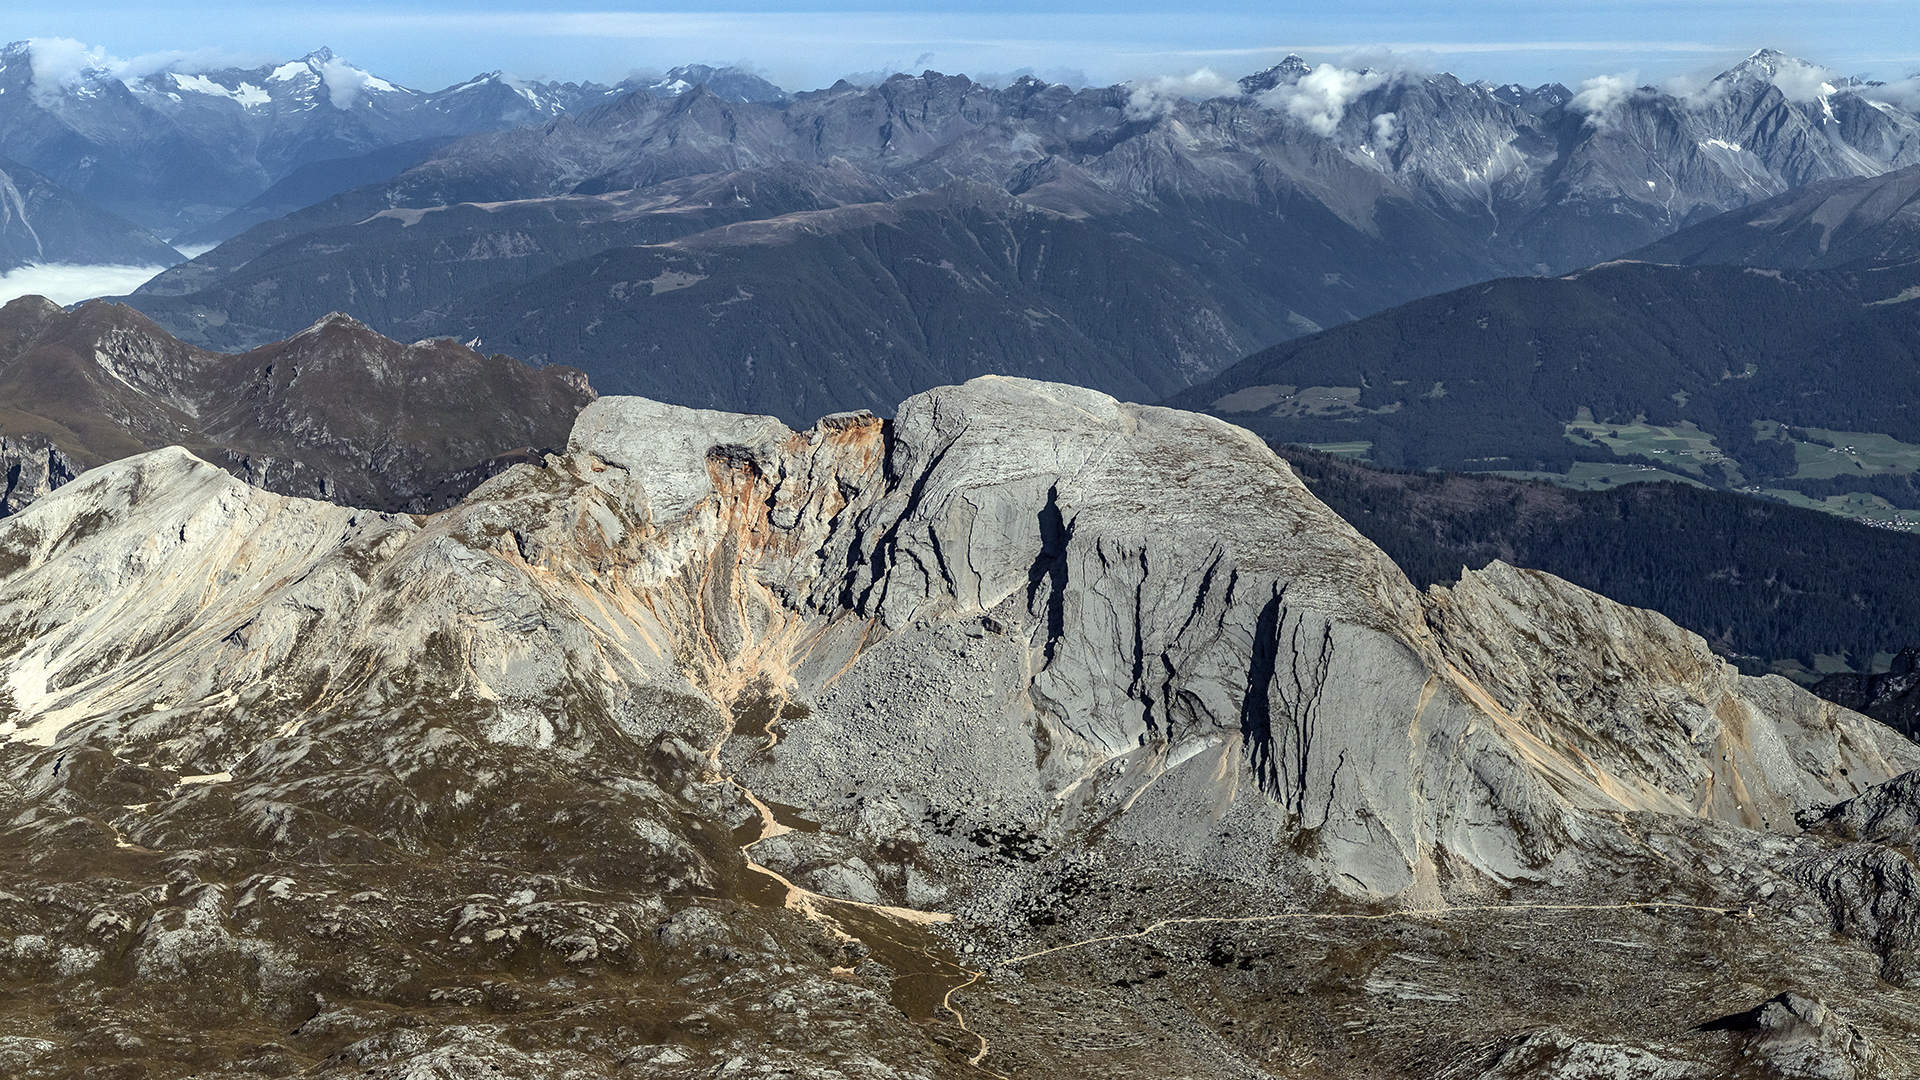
column 1451, row 48
column 1053, row 76
column 1696, row 89
column 1905, row 93
column 59, row 63
column 345, row 83
column 1320, row 98
column 1803, row 82
column 1601, row 97
column 65, row 284
column 1386, row 131
column 189, row 62
column 1156, row 97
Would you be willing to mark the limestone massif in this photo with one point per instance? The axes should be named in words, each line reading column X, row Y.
column 1029, row 733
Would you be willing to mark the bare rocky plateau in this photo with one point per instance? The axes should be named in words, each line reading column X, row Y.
column 1029, row 734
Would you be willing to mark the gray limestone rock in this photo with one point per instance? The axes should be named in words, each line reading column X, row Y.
column 1184, row 634
column 1886, row 813
column 1553, row 1054
column 1796, row 1037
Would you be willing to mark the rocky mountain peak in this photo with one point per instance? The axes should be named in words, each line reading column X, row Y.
column 731, row 83
column 1766, row 61
column 335, row 321
column 1797, row 79
column 1288, row 70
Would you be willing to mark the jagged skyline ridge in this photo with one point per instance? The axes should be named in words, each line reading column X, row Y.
column 65, row 66
column 431, row 44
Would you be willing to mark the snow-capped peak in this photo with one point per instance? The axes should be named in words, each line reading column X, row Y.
column 730, row 83
column 1796, row 79
column 1769, row 66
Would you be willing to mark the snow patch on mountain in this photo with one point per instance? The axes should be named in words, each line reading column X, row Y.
column 246, row 93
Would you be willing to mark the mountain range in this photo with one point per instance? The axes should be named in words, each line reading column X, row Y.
column 1292, row 205
column 1733, row 356
column 175, row 151
column 848, row 708
column 1868, row 221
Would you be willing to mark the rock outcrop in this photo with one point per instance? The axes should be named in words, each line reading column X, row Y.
column 1869, row 883
column 1795, row 1037
column 1891, row 697
column 29, row 468
column 1025, row 666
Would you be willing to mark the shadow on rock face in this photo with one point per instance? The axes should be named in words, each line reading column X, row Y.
column 1795, row 1036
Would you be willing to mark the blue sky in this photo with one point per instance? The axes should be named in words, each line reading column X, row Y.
column 434, row 43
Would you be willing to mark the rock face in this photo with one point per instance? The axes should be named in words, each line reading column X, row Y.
column 31, row 467
column 1794, row 1037
column 706, row 710
column 1869, row 885
column 336, row 412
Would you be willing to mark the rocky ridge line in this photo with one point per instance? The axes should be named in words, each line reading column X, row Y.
column 335, row 412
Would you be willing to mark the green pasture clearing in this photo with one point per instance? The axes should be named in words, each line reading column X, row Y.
column 1858, row 505
column 1598, row 475
column 1358, row 449
column 1680, row 448
column 1853, row 453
